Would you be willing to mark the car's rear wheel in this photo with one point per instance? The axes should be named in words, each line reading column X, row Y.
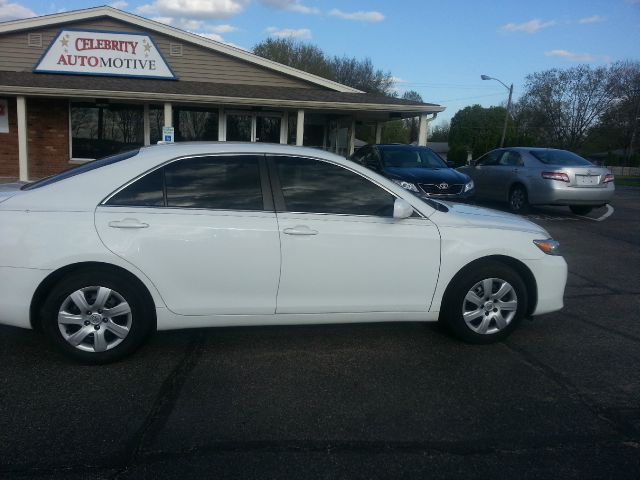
column 485, row 303
column 518, row 199
column 580, row 209
column 97, row 317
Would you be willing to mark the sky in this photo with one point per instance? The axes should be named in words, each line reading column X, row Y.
column 438, row 48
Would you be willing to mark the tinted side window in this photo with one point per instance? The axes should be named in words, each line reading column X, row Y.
column 144, row 192
column 320, row 187
column 511, row 159
column 217, row 182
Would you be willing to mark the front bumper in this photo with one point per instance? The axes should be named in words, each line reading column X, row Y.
column 550, row 274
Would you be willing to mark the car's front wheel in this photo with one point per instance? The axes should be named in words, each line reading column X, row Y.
column 97, row 317
column 485, row 303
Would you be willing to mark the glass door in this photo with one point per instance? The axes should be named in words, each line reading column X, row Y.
column 239, row 127
column 268, row 128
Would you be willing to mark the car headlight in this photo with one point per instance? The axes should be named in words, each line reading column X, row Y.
column 407, row 185
column 548, row 246
column 469, row 186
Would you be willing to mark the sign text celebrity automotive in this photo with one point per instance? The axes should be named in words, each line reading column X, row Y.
column 104, row 53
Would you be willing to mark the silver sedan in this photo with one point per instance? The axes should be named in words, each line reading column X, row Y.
column 524, row 176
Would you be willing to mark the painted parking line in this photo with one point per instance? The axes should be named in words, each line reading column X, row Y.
column 575, row 218
column 606, row 215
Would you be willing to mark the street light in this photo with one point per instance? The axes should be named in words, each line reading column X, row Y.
column 506, row 117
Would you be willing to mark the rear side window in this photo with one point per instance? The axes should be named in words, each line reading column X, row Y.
column 85, row 167
column 315, row 186
column 216, row 182
column 490, row 158
column 144, row 192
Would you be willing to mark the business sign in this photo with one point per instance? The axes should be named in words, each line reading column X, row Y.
column 4, row 117
column 90, row 52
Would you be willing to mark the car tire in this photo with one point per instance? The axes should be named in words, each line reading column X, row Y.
column 97, row 316
column 580, row 209
column 485, row 303
column 518, row 199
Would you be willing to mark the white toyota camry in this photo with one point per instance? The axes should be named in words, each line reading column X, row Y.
column 204, row 235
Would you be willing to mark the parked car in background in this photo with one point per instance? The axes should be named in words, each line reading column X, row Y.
column 417, row 169
column 524, row 176
column 233, row 234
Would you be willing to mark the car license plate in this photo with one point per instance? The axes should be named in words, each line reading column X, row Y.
column 587, row 179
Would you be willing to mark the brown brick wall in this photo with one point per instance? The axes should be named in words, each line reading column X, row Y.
column 9, row 144
column 48, row 127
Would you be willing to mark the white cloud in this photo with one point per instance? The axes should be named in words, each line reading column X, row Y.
column 532, row 26
column 570, row 56
column 119, row 4
column 13, row 11
column 592, row 19
column 290, row 6
column 360, row 16
column 299, row 34
column 211, row 36
column 222, row 28
column 201, row 9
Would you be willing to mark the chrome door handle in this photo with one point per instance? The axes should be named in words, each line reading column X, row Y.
column 300, row 230
column 128, row 223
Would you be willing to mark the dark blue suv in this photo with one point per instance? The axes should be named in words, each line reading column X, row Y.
column 417, row 169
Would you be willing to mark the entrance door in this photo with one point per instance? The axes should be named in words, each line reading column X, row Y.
column 239, row 127
column 268, row 128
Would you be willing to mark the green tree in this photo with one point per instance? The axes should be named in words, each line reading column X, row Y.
column 412, row 124
column 395, row 132
column 440, row 132
column 476, row 129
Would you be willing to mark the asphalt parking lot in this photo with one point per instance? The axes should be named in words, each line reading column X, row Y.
column 560, row 398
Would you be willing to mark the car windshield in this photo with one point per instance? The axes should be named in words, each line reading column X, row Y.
column 85, row 167
column 403, row 157
column 559, row 157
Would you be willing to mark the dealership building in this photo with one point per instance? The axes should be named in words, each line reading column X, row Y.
column 81, row 85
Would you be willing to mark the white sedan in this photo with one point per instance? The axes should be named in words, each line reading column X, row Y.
column 204, row 235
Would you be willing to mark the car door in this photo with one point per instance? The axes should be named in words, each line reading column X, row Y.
column 482, row 173
column 342, row 251
column 203, row 230
column 505, row 173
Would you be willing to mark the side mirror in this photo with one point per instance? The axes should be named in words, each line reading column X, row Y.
column 402, row 209
column 451, row 163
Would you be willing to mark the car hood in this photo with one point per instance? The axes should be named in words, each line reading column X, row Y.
column 460, row 214
column 8, row 190
column 426, row 175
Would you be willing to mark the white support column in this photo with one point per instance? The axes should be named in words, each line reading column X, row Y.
column 23, row 156
column 168, row 115
column 422, row 132
column 352, row 137
column 284, row 128
column 222, row 125
column 378, row 132
column 147, row 125
column 300, row 128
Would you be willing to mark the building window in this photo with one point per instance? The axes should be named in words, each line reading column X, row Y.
column 195, row 124
column 156, row 122
column 98, row 130
column 239, row 127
